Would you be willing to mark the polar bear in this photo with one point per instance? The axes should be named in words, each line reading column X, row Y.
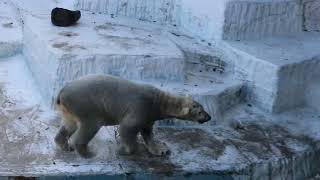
column 94, row 101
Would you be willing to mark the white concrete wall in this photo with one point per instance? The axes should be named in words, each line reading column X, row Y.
column 204, row 18
column 160, row 11
column 311, row 15
column 259, row 19
column 296, row 83
column 212, row 20
column 10, row 31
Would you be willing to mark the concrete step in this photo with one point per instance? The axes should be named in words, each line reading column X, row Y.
column 130, row 49
column 280, row 71
column 98, row 45
column 204, row 61
column 10, row 30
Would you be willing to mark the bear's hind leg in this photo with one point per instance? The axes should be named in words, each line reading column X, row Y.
column 155, row 148
column 82, row 137
column 128, row 138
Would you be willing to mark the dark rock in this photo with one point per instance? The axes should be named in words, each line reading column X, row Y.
column 64, row 17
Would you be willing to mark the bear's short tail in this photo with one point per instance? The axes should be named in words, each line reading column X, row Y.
column 58, row 102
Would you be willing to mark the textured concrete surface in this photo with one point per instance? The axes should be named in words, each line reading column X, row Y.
column 211, row 20
column 259, row 19
column 280, row 69
column 248, row 144
column 311, row 15
column 97, row 45
column 130, row 49
column 196, row 17
column 10, row 30
column 158, row 11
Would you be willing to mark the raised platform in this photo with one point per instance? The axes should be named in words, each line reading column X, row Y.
column 280, row 70
column 96, row 45
column 217, row 97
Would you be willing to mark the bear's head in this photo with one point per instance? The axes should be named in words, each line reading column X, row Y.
column 193, row 111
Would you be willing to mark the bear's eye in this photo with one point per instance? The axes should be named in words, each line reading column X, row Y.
column 199, row 113
column 194, row 106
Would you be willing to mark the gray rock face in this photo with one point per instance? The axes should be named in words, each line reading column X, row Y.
column 311, row 15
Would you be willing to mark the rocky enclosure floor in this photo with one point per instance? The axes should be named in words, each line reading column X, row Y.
column 247, row 143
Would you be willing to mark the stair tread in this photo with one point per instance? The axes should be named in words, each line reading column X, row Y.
column 281, row 50
column 197, row 88
column 97, row 34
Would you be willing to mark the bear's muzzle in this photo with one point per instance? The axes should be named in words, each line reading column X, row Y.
column 206, row 119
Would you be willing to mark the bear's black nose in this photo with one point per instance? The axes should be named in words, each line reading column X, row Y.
column 202, row 121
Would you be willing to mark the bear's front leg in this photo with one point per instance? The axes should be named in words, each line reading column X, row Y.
column 67, row 129
column 154, row 147
column 83, row 136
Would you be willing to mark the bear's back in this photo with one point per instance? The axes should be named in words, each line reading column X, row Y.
column 106, row 94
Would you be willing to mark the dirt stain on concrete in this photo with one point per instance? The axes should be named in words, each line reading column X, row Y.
column 262, row 140
column 158, row 165
column 68, row 34
column 107, row 32
column 192, row 139
column 7, row 25
column 67, row 47
column 113, row 26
